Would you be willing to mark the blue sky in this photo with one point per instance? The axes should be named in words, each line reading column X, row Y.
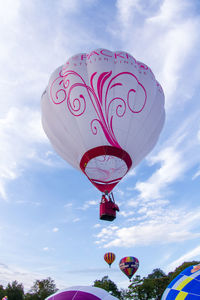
column 49, row 222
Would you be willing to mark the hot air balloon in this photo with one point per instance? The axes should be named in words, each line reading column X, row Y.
column 109, row 257
column 185, row 286
column 81, row 293
column 129, row 265
column 103, row 113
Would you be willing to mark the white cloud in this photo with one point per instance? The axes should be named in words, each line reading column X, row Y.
column 46, row 249
column 179, row 153
column 170, row 11
column 19, row 130
column 89, row 203
column 198, row 135
column 191, row 255
column 68, row 205
column 126, row 213
column 8, row 273
column 197, row 174
column 26, row 64
column 166, row 174
column 165, row 37
column 97, row 225
column 76, row 220
column 126, row 10
column 55, row 229
column 27, row 202
column 162, row 226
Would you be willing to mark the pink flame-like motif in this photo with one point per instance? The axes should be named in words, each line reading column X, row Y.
column 98, row 96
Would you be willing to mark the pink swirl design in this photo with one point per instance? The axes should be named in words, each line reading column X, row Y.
column 61, row 90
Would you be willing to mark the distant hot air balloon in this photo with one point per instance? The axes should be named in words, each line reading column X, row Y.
column 129, row 265
column 82, row 293
column 109, row 257
column 185, row 286
column 103, row 113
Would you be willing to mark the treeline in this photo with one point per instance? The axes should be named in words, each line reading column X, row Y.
column 146, row 288
column 39, row 291
column 141, row 288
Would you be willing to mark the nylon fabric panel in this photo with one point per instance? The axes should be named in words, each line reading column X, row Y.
column 54, row 135
column 81, row 293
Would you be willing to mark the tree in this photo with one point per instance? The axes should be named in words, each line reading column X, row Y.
column 157, row 273
column 159, row 281
column 41, row 289
column 30, row 296
column 2, row 292
column 148, row 288
column 15, row 291
column 108, row 285
column 178, row 270
column 133, row 289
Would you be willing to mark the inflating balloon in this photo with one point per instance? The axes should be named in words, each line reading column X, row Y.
column 129, row 265
column 109, row 257
column 103, row 113
column 82, row 293
column 185, row 286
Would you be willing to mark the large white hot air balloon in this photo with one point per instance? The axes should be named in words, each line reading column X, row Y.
column 103, row 113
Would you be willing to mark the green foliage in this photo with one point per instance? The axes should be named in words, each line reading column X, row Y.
column 157, row 273
column 41, row 289
column 14, row 291
column 146, row 288
column 30, row 296
column 108, row 285
column 153, row 286
column 2, row 292
column 185, row 265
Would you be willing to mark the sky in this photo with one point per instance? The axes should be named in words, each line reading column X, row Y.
column 49, row 212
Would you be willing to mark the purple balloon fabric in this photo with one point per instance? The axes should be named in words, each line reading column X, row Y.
column 82, row 293
column 75, row 295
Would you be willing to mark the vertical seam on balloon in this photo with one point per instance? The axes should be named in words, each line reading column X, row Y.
column 148, row 115
column 75, row 295
column 152, row 133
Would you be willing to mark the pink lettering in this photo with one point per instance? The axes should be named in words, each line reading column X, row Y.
column 119, row 55
column 83, row 56
column 128, row 56
column 142, row 66
column 103, row 53
column 92, row 53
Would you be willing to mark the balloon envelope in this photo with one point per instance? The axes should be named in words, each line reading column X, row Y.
column 185, row 286
column 103, row 113
column 81, row 293
column 129, row 265
column 109, row 257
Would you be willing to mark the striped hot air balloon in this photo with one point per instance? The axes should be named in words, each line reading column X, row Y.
column 129, row 265
column 109, row 257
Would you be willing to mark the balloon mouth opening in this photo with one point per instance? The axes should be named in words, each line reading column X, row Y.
column 105, row 166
